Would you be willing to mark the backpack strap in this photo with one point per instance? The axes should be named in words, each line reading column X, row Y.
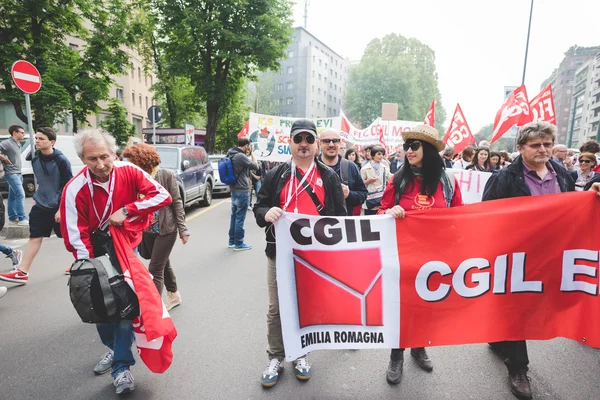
column 344, row 170
column 107, row 294
column 313, row 196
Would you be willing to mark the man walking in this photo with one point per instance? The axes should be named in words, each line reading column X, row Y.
column 303, row 185
column 11, row 149
column 240, row 192
column 532, row 173
column 355, row 191
column 106, row 192
column 52, row 170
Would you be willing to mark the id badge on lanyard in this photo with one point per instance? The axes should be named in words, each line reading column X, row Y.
column 102, row 222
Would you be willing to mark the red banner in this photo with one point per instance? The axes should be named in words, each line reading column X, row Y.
column 459, row 134
column 542, row 106
column 244, row 131
column 515, row 110
column 430, row 117
column 462, row 283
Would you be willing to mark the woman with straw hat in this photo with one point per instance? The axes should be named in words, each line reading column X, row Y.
column 421, row 183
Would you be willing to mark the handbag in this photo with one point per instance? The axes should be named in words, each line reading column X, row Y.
column 374, row 197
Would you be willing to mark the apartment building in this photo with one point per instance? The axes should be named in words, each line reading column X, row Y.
column 584, row 122
column 312, row 80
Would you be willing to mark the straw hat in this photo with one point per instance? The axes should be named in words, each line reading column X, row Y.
column 427, row 134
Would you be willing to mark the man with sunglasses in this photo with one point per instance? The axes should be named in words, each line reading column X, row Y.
column 532, row 173
column 302, row 185
column 355, row 191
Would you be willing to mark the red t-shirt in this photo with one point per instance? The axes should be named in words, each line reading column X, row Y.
column 413, row 199
column 305, row 204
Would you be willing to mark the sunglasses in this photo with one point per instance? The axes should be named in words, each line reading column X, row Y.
column 310, row 139
column 414, row 146
column 585, row 161
column 327, row 141
column 537, row 146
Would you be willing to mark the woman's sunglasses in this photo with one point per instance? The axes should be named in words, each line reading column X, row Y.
column 585, row 161
column 310, row 139
column 414, row 146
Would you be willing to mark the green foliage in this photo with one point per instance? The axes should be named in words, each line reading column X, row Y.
column 234, row 118
column 117, row 124
column 262, row 97
column 183, row 105
column 219, row 43
column 503, row 143
column 74, row 80
column 394, row 70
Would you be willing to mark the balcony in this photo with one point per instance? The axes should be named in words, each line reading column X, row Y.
column 594, row 119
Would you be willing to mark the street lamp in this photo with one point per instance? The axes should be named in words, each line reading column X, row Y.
column 527, row 45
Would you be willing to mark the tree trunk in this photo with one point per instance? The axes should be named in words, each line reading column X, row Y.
column 212, row 112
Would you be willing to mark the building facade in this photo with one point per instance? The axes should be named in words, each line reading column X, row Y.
column 312, row 80
column 563, row 82
column 584, row 122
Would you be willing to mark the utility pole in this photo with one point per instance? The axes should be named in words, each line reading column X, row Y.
column 527, row 45
column 572, row 123
column 306, row 14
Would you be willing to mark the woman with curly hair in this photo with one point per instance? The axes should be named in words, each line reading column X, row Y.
column 158, row 240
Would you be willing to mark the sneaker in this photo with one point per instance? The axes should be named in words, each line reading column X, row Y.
column 124, row 382
column 271, row 375
column 394, row 371
column 13, row 221
column 173, row 300
column 105, row 364
column 243, row 247
column 519, row 384
column 231, row 245
column 302, row 369
column 16, row 257
column 23, row 222
column 16, row 276
column 421, row 357
column 3, row 291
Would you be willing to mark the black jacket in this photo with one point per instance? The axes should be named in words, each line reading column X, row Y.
column 273, row 183
column 510, row 181
column 358, row 190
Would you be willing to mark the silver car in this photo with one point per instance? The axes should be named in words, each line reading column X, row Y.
column 220, row 187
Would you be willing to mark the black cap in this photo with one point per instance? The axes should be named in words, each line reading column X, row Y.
column 303, row 125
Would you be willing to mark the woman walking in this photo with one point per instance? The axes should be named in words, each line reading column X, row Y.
column 158, row 240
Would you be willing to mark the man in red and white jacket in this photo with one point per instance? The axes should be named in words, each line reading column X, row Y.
column 107, row 192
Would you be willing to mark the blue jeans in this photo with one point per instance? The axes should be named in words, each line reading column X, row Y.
column 16, row 195
column 6, row 250
column 118, row 337
column 239, row 207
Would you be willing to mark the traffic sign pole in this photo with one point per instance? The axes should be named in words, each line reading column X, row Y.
column 154, row 126
column 30, row 126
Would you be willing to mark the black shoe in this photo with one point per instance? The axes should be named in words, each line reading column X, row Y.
column 421, row 357
column 519, row 384
column 394, row 372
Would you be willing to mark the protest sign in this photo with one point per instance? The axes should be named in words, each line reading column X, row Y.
column 442, row 278
column 471, row 184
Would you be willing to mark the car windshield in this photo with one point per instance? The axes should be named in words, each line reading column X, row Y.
column 168, row 157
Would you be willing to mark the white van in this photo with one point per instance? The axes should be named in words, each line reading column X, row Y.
column 64, row 143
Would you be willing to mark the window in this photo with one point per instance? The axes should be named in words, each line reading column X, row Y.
column 289, row 101
column 314, row 58
column 319, row 76
column 290, row 70
column 145, row 79
column 329, row 110
column 313, row 88
column 147, row 102
column 119, row 94
column 335, row 74
column 324, row 107
column 329, row 97
column 133, row 98
column 330, row 71
column 330, row 85
column 291, row 54
column 318, row 106
column 325, row 65
column 312, row 103
column 139, row 74
column 334, row 111
column 151, row 79
column 319, row 92
column 335, row 87
column 132, row 71
column 325, row 79
column 140, row 100
column 313, row 73
column 290, row 85
column 324, row 94
column 280, row 86
column 320, row 62
column 334, row 100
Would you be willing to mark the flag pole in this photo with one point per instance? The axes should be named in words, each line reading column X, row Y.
column 527, row 44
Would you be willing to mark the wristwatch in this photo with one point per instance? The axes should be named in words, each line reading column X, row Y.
column 124, row 210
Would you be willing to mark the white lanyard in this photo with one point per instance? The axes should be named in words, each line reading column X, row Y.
column 101, row 221
column 292, row 180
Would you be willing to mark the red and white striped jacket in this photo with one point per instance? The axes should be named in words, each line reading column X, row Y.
column 134, row 189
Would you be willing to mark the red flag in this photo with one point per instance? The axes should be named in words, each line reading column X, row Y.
column 381, row 134
column 542, row 106
column 153, row 329
column 459, row 134
column 244, row 131
column 515, row 110
column 430, row 117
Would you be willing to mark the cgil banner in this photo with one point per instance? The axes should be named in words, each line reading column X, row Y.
column 441, row 276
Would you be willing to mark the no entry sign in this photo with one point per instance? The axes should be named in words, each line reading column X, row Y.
column 26, row 76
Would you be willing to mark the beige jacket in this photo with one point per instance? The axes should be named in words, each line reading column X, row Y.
column 383, row 178
column 172, row 217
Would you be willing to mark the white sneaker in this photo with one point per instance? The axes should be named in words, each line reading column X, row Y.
column 3, row 291
column 124, row 382
column 23, row 223
column 173, row 300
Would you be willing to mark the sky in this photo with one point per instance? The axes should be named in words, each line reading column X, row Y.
column 479, row 44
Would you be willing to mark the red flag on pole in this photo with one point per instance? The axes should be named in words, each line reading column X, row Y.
column 430, row 117
column 244, row 131
column 515, row 110
column 542, row 106
column 459, row 134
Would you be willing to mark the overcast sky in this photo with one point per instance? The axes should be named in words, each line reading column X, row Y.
column 479, row 44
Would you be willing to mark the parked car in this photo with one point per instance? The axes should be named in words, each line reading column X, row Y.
column 193, row 170
column 64, row 143
column 220, row 187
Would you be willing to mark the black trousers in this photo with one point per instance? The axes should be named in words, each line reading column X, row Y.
column 514, row 353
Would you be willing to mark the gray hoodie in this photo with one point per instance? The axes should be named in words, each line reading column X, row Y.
column 52, row 173
column 241, row 168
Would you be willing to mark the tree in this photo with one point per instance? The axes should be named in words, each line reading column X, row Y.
column 232, row 122
column 261, row 96
column 73, row 80
column 394, row 70
column 219, row 43
column 504, row 143
column 117, row 124
column 179, row 102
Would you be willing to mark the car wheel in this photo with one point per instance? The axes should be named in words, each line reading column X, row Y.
column 28, row 186
column 207, row 199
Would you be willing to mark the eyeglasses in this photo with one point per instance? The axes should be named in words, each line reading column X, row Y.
column 537, row 146
column 585, row 161
column 327, row 141
column 414, row 146
column 310, row 139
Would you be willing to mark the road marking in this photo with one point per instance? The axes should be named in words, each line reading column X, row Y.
column 191, row 217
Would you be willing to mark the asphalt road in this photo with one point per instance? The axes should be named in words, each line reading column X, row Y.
column 46, row 352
